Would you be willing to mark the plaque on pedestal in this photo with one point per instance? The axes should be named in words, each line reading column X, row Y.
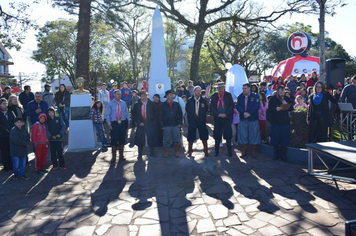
column 81, row 129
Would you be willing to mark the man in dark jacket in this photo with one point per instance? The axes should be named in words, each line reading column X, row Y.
column 144, row 117
column 222, row 106
column 248, row 104
column 171, row 118
column 19, row 138
column 5, row 128
column 196, row 109
column 35, row 107
column 26, row 96
column 280, row 123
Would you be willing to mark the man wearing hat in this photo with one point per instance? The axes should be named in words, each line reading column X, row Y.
column 171, row 117
column 248, row 104
column 118, row 119
column 7, row 92
column 114, row 87
column 48, row 96
column 144, row 118
column 222, row 106
column 196, row 109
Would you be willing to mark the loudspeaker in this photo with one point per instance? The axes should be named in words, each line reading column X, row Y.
column 335, row 72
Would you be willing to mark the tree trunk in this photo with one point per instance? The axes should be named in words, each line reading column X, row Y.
column 194, row 66
column 83, row 41
column 322, row 40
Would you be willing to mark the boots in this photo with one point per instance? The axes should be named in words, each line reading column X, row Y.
column 140, row 149
column 283, row 153
column 113, row 150
column 176, row 149
column 217, row 143
column 205, row 145
column 152, row 151
column 190, row 149
column 228, row 145
column 254, row 147
column 166, row 151
column 121, row 152
column 276, row 153
column 244, row 150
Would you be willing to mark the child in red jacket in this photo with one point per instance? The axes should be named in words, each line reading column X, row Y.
column 39, row 139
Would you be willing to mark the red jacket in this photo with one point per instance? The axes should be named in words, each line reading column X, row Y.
column 39, row 133
column 310, row 83
column 275, row 86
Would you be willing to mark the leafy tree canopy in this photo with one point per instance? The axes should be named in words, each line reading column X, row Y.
column 14, row 23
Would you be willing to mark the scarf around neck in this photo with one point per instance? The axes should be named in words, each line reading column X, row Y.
column 221, row 100
column 317, row 98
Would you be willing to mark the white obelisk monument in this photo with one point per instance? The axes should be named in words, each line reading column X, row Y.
column 158, row 81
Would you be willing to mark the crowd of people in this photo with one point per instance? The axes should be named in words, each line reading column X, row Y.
column 159, row 124
column 243, row 121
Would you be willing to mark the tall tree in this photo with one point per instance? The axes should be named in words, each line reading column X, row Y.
column 325, row 7
column 84, row 8
column 229, row 42
column 56, row 43
column 14, row 23
column 174, row 37
column 209, row 13
column 82, row 54
column 133, row 36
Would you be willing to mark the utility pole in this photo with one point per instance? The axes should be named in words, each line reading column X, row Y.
column 20, row 78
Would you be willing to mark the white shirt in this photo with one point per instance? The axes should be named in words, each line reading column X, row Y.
column 181, row 103
column 104, row 96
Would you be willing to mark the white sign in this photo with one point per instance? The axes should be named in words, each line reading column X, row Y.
column 160, row 88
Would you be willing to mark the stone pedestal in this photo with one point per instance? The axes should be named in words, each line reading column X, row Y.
column 81, row 129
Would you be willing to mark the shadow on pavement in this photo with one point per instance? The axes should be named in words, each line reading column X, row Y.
column 110, row 188
column 25, row 202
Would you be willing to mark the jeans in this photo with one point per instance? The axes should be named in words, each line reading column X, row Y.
column 64, row 116
column 18, row 163
column 100, row 130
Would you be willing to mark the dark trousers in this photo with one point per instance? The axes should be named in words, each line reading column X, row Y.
column 192, row 131
column 318, row 129
column 280, row 135
column 222, row 126
column 5, row 153
column 118, row 133
column 57, row 153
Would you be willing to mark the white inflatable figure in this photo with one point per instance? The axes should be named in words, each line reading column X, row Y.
column 235, row 78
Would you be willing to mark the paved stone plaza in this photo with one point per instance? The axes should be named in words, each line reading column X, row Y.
column 174, row 196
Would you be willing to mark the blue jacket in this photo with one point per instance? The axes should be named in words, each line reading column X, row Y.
column 253, row 105
column 31, row 110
